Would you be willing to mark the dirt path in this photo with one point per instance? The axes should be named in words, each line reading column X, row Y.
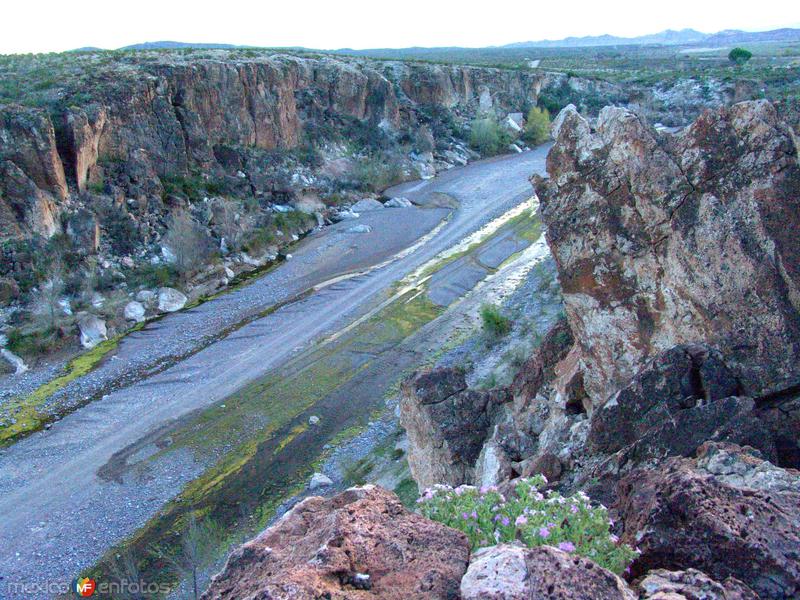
column 59, row 515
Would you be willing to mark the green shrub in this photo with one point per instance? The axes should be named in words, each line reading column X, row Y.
column 494, row 323
column 376, row 173
column 487, row 136
column 152, row 276
column 537, row 127
column 488, row 518
column 739, row 56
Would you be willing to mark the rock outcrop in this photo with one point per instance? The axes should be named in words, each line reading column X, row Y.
column 728, row 513
column 670, row 239
column 360, row 544
column 511, row 572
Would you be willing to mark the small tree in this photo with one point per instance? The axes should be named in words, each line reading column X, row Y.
column 486, row 136
column 423, row 140
column 198, row 544
column 46, row 304
column 189, row 242
column 537, row 127
column 739, row 56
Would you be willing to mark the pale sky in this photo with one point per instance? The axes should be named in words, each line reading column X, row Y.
column 50, row 25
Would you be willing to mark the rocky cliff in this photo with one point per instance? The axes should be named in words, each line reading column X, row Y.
column 175, row 116
column 670, row 390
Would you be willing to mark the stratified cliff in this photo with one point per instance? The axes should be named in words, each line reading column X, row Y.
column 175, row 116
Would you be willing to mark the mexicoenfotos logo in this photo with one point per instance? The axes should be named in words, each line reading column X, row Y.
column 84, row 587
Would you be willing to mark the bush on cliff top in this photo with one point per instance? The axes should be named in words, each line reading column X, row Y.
column 488, row 518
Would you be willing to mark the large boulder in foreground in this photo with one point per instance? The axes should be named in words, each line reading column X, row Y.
column 667, row 239
column 690, row 585
column 728, row 513
column 361, row 544
column 512, row 572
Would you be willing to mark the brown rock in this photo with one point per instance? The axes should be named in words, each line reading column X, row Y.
column 546, row 464
column 511, row 572
column 645, row 229
column 701, row 514
column 360, row 544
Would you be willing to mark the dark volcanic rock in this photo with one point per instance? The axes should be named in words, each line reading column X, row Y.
column 358, row 545
column 728, row 513
column 447, row 425
column 691, row 585
column 668, row 239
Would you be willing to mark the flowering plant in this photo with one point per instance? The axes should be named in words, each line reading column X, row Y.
column 487, row 518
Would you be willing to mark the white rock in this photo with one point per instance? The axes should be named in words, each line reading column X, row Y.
column 425, row 170
column 65, row 306
column 365, row 205
column 514, row 148
column 283, row 208
column 19, row 365
column 3, row 340
column 319, row 480
column 98, row 300
column 170, row 300
column 127, row 261
column 168, row 254
column 229, row 273
column 399, row 203
column 146, row 296
column 345, row 215
column 93, row 330
column 313, row 420
column 361, row 228
column 134, row 311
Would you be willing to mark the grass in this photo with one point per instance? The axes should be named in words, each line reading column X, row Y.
column 26, row 410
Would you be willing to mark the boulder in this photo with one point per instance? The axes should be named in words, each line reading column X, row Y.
column 146, row 296
column 361, row 228
column 513, row 572
column 366, row 205
column 345, row 215
column 170, row 299
column 358, row 545
column 447, row 425
column 727, row 513
column 319, row 480
column 662, row 584
column 134, row 311
column 645, row 229
column 93, row 330
column 398, row 203
column 15, row 361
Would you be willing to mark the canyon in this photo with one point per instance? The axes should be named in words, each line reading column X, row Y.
column 307, row 295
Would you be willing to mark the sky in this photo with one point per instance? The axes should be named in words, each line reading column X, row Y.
column 54, row 26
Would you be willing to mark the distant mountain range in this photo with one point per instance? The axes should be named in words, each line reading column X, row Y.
column 669, row 37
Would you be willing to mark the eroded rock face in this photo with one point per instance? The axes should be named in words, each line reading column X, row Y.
column 360, row 544
column 511, row 572
column 662, row 240
column 447, row 425
column 726, row 513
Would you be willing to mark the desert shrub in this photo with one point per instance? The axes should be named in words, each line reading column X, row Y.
column 739, row 56
column 423, row 140
column 190, row 243
column 495, row 324
column 152, row 276
column 193, row 187
column 293, row 221
column 376, row 173
column 537, row 126
column 487, row 136
column 569, row 523
column 258, row 240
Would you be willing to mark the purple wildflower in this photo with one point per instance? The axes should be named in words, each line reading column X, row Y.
column 567, row 546
column 544, row 532
column 505, row 521
column 521, row 520
column 573, row 509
